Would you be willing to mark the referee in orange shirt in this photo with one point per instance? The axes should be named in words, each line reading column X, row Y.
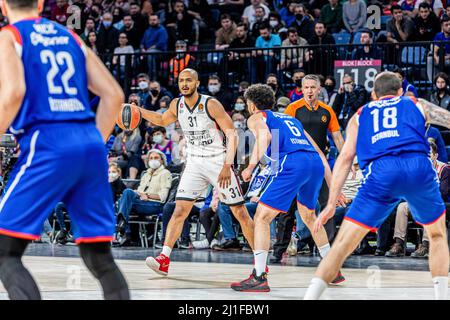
column 318, row 119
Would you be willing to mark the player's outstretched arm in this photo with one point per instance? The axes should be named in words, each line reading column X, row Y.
column 102, row 83
column 12, row 81
column 262, row 134
column 340, row 172
column 435, row 114
column 163, row 119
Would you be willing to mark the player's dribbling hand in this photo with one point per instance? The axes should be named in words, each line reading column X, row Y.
column 224, row 179
column 247, row 175
column 323, row 217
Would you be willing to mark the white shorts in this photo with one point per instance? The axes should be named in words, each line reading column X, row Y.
column 200, row 173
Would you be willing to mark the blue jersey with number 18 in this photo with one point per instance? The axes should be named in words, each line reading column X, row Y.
column 288, row 135
column 390, row 127
column 55, row 74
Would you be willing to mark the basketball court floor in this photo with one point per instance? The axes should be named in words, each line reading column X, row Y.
column 206, row 275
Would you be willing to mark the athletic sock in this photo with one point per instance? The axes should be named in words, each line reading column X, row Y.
column 324, row 250
column 166, row 251
column 440, row 288
column 260, row 261
column 315, row 289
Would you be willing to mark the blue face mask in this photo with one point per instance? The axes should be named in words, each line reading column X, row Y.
column 107, row 24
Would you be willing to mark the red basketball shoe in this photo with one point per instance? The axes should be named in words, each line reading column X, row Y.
column 160, row 264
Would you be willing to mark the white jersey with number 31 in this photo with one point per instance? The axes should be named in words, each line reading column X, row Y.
column 203, row 136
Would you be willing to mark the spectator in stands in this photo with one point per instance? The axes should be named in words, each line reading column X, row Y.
column 179, row 24
column 216, row 90
column 442, row 36
column 272, row 81
column 322, row 59
column 211, row 223
column 408, row 7
column 277, row 25
column 200, row 12
column 141, row 22
column 354, row 15
column 282, row 103
column 266, row 59
column 331, row 16
column 287, row 13
column 427, row 24
column 246, row 138
column 408, row 88
column 117, row 18
column 150, row 196
column 143, row 82
column 435, row 5
column 249, row 16
column 398, row 249
column 367, row 50
column 243, row 85
column 260, row 20
column 293, row 58
column 123, row 49
column 434, row 135
column 441, row 92
column 241, row 60
column 130, row 30
column 304, row 23
column 125, row 151
column 115, row 181
column 161, row 143
column 181, row 61
column 349, row 99
column 93, row 43
column 156, row 93
column 400, row 27
column 96, row 14
column 447, row 11
column 89, row 26
column 59, row 12
column 164, row 103
column 297, row 77
column 240, row 105
column 226, row 34
column 155, row 40
column 108, row 36
column 330, row 86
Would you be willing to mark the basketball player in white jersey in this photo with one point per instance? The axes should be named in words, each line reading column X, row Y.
column 209, row 161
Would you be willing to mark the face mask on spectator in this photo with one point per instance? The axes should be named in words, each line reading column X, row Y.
column 154, row 164
column 299, row 16
column 281, row 109
column 158, row 139
column 329, row 88
column 213, row 88
column 143, row 85
column 107, row 24
column 94, row 14
column 239, row 124
column 113, row 176
column 239, row 106
column 154, row 92
column 273, row 23
column 273, row 86
column 298, row 82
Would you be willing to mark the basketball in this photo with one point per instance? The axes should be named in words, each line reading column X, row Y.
column 129, row 117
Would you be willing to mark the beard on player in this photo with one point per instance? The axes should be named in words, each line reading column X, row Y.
column 188, row 89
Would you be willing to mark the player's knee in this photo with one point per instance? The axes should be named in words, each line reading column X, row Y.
column 308, row 217
column 240, row 213
column 11, row 248
column 262, row 218
column 98, row 258
column 180, row 213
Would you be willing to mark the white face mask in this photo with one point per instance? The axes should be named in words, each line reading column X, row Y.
column 143, row 85
column 239, row 106
column 239, row 124
column 214, row 88
column 273, row 23
column 281, row 110
column 154, row 164
column 158, row 139
column 113, row 175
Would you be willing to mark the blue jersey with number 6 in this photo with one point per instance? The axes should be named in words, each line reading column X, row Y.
column 389, row 127
column 288, row 135
column 55, row 74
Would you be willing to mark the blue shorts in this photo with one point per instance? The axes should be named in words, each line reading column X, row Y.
column 387, row 181
column 300, row 173
column 60, row 162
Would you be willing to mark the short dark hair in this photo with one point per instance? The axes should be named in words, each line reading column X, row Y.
column 386, row 83
column 442, row 75
column 320, row 22
column 241, row 24
column 261, row 95
column 143, row 75
column 298, row 70
column 292, row 30
column 22, row 4
column 395, row 7
column 425, row 5
column 368, row 31
column 444, row 19
column 135, row 4
column 214, row 77
column 265, row 26
column 159, row 129
column 274, row 14
column 225, row 16
column 398, row 70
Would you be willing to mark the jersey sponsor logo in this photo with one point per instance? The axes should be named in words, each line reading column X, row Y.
column 200, row 107
column 37, row 39
column 324, row 119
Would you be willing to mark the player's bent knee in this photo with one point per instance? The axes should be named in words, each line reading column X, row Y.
column 308, row 217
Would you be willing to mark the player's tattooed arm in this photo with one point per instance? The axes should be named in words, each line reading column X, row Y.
column 435, row 114
column 12, row 81
column 164, row 119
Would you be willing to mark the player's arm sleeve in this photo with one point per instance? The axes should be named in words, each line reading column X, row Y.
column 433, row 113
